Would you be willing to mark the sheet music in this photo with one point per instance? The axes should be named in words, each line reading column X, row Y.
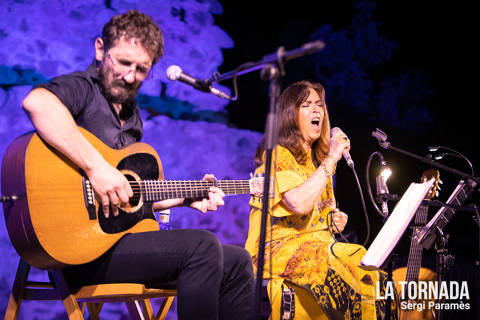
column 396, row 224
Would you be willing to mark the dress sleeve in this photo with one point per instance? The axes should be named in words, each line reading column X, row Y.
column 286, row 178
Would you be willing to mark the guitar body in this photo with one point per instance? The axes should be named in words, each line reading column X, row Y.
column 53, row 224
column 426, row 275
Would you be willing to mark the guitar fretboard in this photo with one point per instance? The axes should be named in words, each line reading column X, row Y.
column 416, row 250
column 157, row 190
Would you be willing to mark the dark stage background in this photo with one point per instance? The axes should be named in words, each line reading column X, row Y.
column 406, row 67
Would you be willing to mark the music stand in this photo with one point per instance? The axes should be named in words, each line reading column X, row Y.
column 433, row 232
column 397, row 223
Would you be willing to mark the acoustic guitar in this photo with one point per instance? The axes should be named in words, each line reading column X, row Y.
column 57, row 220
column 413, row 271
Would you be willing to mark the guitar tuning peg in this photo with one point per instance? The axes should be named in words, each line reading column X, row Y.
column 437, row 193
column 440, row 181
column 438, row 188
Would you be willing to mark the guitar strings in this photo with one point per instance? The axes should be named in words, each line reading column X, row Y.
column 158, row 189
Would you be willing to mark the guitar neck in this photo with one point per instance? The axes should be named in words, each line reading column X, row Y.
column 416, row 250
column 156, row 190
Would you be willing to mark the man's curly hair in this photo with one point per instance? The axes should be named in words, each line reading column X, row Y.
column 134, row 25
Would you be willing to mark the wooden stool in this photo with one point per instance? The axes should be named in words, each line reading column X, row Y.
column 134, row 295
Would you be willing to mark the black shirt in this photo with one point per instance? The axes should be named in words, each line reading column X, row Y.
column 82, row 94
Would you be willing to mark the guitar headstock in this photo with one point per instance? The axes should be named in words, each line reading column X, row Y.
column 426, row 176
column 256, row 184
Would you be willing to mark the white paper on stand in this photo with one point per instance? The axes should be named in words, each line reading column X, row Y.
column 396, row 224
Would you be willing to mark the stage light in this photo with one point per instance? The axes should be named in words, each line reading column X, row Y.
column 382, row 188
column 385, row 171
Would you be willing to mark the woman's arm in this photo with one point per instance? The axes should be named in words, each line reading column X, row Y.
column 302, row 199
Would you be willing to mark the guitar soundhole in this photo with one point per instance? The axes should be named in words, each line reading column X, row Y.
column 137, row 194
column 135, row 167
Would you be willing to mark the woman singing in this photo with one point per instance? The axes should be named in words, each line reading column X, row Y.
column 300, row 251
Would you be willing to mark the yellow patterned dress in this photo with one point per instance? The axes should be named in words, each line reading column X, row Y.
column 299, row 252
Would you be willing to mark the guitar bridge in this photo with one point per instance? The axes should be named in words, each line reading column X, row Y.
column 89, row 198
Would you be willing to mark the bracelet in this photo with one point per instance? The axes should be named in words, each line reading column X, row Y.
column 325, row 170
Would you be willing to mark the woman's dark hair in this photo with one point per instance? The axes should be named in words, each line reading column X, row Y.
column 289, row 135
column 134, row 25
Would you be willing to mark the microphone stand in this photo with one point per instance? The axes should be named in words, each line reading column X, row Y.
column 272, row 66
column 444, row 260
column 274, row 58
column 382, row 141
column 274, row 74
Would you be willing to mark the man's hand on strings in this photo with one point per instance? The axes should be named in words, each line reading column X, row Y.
column 214, row 200
column 110, row 186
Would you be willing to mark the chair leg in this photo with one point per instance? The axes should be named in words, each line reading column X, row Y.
column 73, row 309
column 94, row 310
column 135, row 310
column 18, row 289
column 69, row 300
column 147, row 308
column 165, row 306
column 12, row 308
column 83, row 306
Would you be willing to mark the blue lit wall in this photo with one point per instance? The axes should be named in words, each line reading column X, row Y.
column 42, row 39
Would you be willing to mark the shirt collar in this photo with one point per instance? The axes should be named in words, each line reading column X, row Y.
column 92, row 71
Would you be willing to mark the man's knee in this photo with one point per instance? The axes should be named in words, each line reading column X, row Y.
column 207, row 246
column 239, row 259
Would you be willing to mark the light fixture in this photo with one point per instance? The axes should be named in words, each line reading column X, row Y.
column 382, row 188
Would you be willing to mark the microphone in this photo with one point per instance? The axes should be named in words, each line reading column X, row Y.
column 346, row 153
column 382, row 190
column 175, row 73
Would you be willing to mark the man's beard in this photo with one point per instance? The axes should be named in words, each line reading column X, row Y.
column 117, row 90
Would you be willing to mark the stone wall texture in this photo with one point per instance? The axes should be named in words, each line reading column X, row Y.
column 42, row 39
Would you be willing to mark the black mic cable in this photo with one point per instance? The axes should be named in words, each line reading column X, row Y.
column 364, row 207
column 452, row 153
column 350, row 163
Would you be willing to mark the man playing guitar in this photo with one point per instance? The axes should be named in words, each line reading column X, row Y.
column 212, row 279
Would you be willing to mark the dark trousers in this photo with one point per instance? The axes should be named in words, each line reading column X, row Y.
column 213, row 280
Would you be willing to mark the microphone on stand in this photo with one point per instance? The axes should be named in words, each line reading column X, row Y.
column 175, row 73
column 382, row 188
